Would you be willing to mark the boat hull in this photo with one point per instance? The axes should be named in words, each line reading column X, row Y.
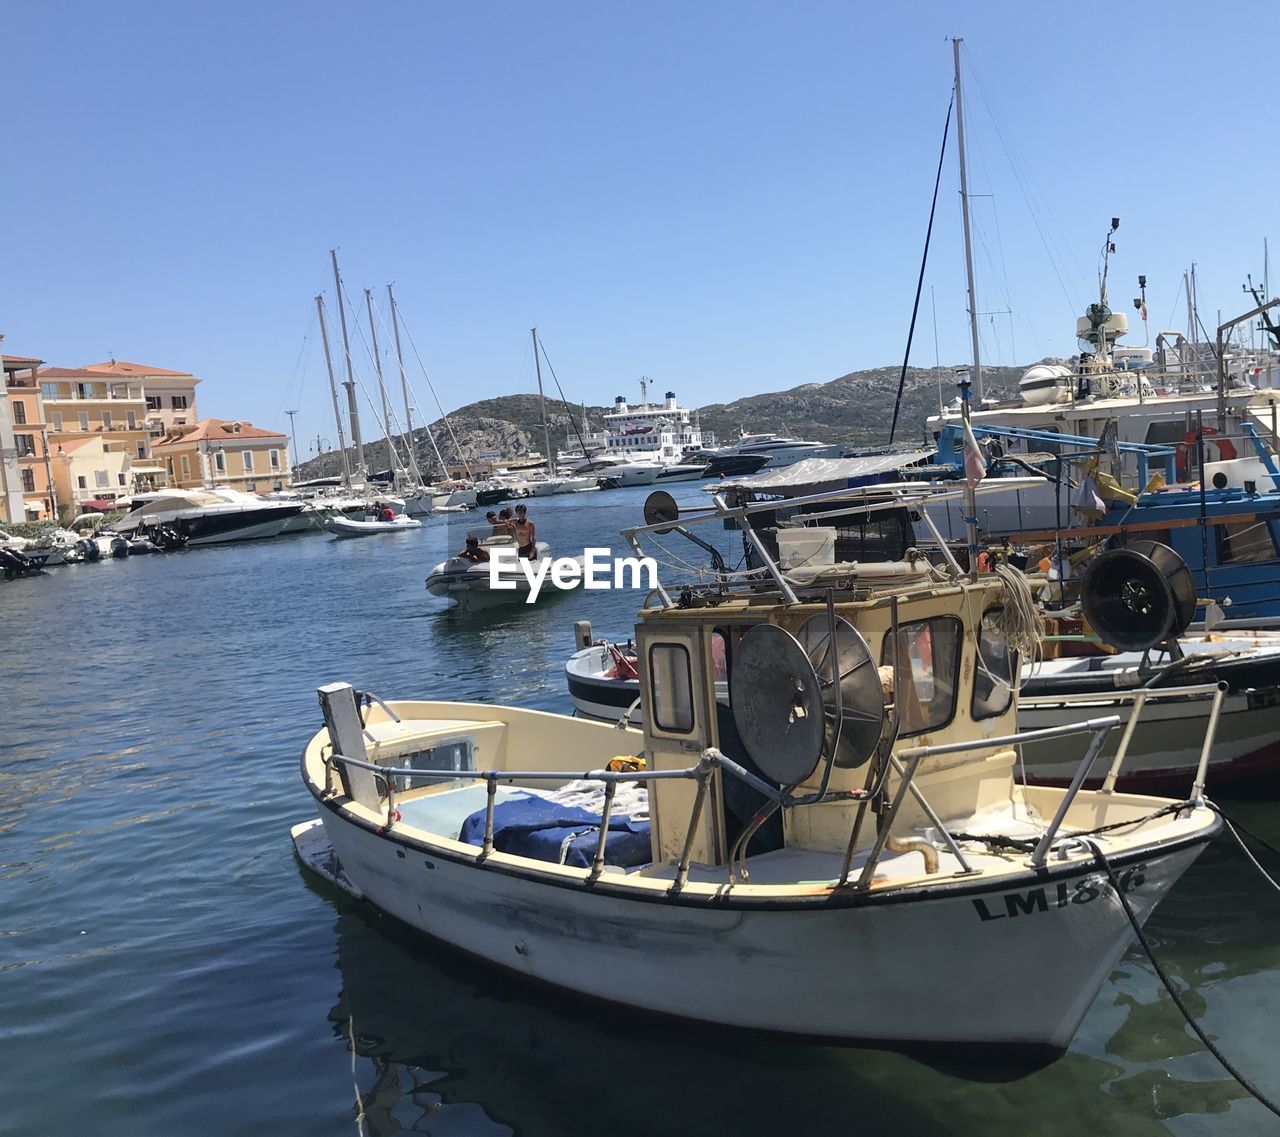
column 344, row 527
column 958, row 964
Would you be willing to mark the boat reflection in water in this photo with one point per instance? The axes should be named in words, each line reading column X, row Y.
column 452, row 1046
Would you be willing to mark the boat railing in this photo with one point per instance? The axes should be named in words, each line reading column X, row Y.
column 905, row 763
column 1139, row 698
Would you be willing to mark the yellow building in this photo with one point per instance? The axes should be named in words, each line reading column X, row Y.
column 30, row 439
column 221, row 452
column 79, row 402
column 89, row 473
column 170, row 395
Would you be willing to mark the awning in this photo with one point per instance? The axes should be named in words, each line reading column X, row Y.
column 817, row 475
column 146, row 469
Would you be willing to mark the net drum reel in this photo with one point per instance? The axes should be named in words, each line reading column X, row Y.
column 800, row 700
column 1138, row 596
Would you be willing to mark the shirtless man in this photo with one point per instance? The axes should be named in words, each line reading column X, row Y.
column 474, row 552
column 525, row 534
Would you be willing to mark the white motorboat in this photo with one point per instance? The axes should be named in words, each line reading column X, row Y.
column 776, row 449
column 207, row 518
column 723, row 865
column 502, row 578
column 352, row 527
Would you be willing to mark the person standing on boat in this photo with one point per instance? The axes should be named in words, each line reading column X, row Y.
column 525, row 533
column 501, row 527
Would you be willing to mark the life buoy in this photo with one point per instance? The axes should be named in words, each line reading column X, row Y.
column 1186, row 447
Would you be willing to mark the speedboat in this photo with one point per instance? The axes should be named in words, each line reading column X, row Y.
column 502, row 579
column 724, row 865
column 776, row 449
column 207, row 518
column 350, row 527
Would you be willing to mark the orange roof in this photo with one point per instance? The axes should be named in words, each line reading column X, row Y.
column 69, row 444
column 68, row 373
column 22, row 361
column 121, row 367
column 220, row 430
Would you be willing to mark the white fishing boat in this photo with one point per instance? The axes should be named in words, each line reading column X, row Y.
column 350, row 527
column 724, row 865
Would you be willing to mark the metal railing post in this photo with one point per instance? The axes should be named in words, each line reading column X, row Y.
column 1139, row 701
column 491, row 785
column 886, row 824
column 1090, row 755
column 1197, row 787
column 695, row 816
column 597, row 865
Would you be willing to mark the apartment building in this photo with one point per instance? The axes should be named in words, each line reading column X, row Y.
column 30, row 439
column 170, row 395
column 223, row 452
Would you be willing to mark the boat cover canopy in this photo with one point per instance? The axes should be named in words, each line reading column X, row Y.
column 817, row 475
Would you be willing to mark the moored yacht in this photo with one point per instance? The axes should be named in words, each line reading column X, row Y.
column 203, row 517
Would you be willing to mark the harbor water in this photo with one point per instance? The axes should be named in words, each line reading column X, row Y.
column 168, row 968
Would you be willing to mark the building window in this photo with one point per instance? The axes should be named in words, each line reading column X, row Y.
column 131, row 419
column 186, row 466
column 247, row 456
column 84, row 390
column 28, row 480
column 153, row 402
column 19, row 413
column 26, row 444
column 106, row 420
column 80, row 481
column 100, row 479
column 220, row 461
column 142, row 449
column 49, row 390
column 178, row 402
column 179, row 422
column 169, row 466
column 273, row 459
column 83, row 418
column 120, row 479
column 55, row 420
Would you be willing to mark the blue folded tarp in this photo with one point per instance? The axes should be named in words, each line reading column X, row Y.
column 532, row 826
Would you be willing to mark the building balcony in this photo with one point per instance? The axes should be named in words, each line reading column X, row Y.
column 109, row 397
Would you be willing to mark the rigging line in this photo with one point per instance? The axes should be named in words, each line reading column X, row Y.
column 924, row 260
column 1046, row 239
column 404, row 376
column 386, row 426
column 568, row 410
column 297, row 363
column 440, row 406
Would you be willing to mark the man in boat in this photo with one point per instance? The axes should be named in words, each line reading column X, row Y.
column 474, row 552
column 387, row 514
column 500, row 528
column 525, row 534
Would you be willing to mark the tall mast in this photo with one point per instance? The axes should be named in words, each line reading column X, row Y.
column 968, row 242
column 382, row 389
column 333, row 390
column 361, row 469
column 546, row 432
column 404, row 390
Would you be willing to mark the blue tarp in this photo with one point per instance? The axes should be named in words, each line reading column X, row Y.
column 532, row 826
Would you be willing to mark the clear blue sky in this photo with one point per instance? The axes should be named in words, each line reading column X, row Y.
column 728, row 197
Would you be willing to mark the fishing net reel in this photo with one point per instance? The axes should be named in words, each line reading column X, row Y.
column 1138, row 596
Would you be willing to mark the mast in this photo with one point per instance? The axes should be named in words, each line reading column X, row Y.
column 968, row 241
column 333, row 390
column 350, row 384
column 404, row 390
column 392, row 457
column 546, row 432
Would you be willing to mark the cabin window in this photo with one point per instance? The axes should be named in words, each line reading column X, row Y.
column 925, row 692
column 1244, row 542
column 997, row 666
column 447, row 754
column 672, row 682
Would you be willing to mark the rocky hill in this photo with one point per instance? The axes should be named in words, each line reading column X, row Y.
column 856, row 408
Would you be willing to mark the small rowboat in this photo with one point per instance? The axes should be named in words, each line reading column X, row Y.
column 347, row 527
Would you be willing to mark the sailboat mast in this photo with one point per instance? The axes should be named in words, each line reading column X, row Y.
column 968, row 240
column 350, row 384
column 382, row 387
column 404, row 390
column 546, row 432
column 333, row 390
